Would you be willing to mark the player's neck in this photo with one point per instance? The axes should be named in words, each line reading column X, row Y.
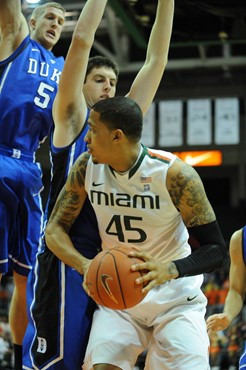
column 43, row 44
column 130, row 160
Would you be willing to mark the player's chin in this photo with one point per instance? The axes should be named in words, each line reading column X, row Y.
column 94, row 160
column 51, row 41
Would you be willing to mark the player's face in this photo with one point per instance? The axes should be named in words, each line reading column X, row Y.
column 48, row 27
column 100, row 84
column 99, row 139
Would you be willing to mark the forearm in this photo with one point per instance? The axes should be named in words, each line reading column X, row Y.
column 160, row 36
column 233, row 304
column 205, row 259
column 10, row 15
column 211, row 254
column 89, row 21
column 61, row 245
column 147, row 81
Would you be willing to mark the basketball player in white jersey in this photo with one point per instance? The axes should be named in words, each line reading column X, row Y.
column 149, row 199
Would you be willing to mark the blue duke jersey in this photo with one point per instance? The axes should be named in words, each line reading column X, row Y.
column 136, row 209
column 60, row 311
column 28, row 84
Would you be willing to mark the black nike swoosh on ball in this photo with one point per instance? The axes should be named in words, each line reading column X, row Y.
column 94, row 184
column 191, row 298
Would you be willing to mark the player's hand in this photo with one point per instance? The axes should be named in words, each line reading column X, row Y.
column 217, row 322
column 159, row 273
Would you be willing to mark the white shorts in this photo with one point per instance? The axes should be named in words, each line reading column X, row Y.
column 169, row 323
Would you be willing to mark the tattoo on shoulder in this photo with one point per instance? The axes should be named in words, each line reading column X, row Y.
column 188, row 195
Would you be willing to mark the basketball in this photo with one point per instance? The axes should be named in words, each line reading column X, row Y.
column 111, row 281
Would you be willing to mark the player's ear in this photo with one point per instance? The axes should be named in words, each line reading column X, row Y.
column 32, row 24
column 118, row 135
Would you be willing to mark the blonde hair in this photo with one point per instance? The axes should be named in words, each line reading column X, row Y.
column 39, row 10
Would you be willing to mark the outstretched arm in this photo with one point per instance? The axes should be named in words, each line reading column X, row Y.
column 146, row 83
column 235, row 297
column 69, row 109
column 68, row 206
column 13, row 27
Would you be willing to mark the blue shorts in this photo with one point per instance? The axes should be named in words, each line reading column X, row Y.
column 242, row 361
column 20, row 214
column 60, row 315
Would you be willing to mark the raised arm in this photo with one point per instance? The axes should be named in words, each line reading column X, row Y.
column 68, row 206
column 146, row 83
column 235, row 297
column 13, row 27
column 69, row 109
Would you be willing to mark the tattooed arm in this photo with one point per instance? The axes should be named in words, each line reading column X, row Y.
column 68, row 206
column 188, row 195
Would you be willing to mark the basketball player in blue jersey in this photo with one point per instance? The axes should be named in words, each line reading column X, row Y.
column 236, row 294
column 145, row 198
column 29, row 77
column 97, row 79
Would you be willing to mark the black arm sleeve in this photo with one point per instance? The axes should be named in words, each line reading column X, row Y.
column 212, row 253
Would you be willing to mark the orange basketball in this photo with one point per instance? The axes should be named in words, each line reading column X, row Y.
column 111, row 281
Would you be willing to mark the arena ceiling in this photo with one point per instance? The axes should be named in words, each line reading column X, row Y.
column 207, row 34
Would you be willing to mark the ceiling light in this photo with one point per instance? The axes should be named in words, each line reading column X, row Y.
column 33, row 1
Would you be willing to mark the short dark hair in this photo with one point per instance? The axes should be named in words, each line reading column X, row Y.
column 99, row 61
column 121, row 113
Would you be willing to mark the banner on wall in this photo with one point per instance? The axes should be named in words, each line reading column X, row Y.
column 227, row 121
column 170, row 123
column 148, row 134
column 199, row 131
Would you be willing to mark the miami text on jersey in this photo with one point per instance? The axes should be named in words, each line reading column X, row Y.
column 125, row 200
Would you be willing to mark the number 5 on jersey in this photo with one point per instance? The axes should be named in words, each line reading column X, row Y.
column 43, row 99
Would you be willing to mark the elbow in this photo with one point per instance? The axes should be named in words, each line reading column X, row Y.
column 82, row 40
column 158, row 63
column 162, row 62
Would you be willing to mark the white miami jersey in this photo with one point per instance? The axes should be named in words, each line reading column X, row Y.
column 135, row 208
